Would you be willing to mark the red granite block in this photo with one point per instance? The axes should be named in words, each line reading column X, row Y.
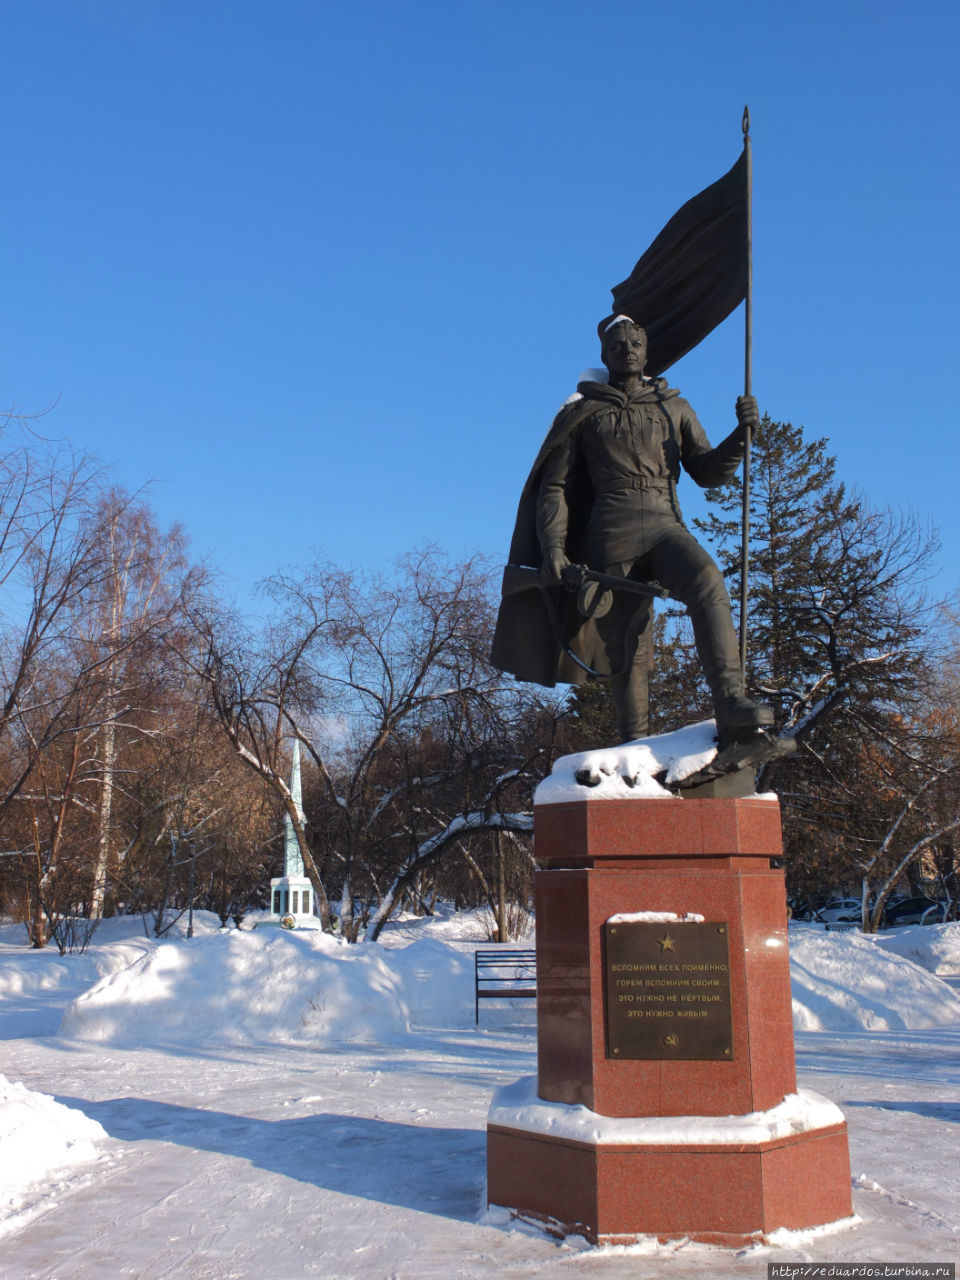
column 573, row 1064
column 564, row 1018
column 543, row 1179
column 808, row 1182
column 598, row 832
column 723, row 1194
column 758, row 824
column 560, row 830
column 674, row 1193
column 697, row 1089
column 660, row 827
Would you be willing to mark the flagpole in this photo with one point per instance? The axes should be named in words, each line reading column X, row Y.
column 747, row 390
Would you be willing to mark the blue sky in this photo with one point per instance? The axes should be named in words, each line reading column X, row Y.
column 323, row 272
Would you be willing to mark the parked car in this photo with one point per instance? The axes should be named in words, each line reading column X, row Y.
column 840, row 911
column 914, row 911
column 806, row 909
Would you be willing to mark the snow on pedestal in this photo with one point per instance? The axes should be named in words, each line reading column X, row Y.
column 645, row 767
column 518, row 1106
column 291, row 895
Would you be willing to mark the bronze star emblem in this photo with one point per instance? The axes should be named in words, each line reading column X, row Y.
column 665, row 943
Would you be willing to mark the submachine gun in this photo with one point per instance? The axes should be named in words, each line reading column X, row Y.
column 594, row 592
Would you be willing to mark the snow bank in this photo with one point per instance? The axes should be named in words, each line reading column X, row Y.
column 517, row 1106
column 42, row 981
column 117, row 928
column 445, row 925
column 631, row 770
column 46, row 971
column 238, row 987
column 270, row 986
column 39, row 1137
column 846, row 981
column 934, row 947
column 437, row 983
column 275, row 987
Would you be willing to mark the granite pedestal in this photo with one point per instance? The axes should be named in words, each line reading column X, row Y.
column 604, row 1172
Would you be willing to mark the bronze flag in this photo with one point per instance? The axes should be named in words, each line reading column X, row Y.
column 694, row 273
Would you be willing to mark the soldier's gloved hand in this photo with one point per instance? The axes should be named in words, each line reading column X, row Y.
column 553, row 564
column 748, row 415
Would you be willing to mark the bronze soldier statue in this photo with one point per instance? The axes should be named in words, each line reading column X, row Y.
column 603, row 493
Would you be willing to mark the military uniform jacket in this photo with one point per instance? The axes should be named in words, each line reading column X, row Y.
column 606, row 455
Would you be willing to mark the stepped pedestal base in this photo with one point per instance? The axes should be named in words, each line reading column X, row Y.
column 674, row 861
column 728, row 1194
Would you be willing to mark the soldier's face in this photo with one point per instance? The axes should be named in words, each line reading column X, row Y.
column 625, row 349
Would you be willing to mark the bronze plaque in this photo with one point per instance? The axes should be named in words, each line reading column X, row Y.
column 667, row 990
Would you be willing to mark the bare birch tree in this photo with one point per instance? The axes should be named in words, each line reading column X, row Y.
column 384, row 680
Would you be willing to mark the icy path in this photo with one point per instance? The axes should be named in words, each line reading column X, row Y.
column 279, row 1163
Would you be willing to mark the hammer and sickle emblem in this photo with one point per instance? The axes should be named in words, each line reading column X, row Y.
column 671, row 1040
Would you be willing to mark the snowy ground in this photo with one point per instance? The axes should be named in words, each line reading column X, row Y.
column 275, row 1106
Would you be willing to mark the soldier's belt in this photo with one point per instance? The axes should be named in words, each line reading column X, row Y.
column 642, row 484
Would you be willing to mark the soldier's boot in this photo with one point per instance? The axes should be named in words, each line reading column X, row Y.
column 738, row 717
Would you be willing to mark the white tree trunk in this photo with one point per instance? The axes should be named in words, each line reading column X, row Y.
column 102, row 867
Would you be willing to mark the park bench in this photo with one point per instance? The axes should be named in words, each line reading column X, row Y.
column 504, row 974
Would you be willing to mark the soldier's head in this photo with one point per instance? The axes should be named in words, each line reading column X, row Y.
column 623, row 346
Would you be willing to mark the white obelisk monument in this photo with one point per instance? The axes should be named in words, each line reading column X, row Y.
column 291, row 895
